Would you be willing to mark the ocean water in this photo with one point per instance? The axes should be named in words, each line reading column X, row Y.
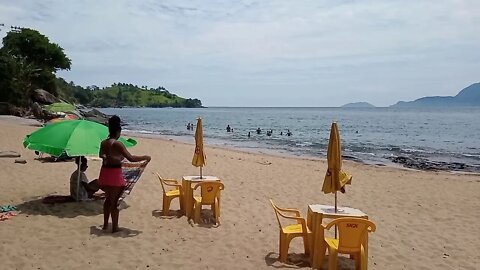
column 373, row 135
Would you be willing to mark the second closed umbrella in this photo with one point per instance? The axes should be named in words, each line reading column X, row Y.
column 199, row 157
column 335, row 178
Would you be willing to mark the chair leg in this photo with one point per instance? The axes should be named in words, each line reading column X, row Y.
column 362, row 261
column 198, row 209
column 321, row 251
column 356, row 258
column 288, row 239
column 166, row 205
column 180, row 201
column 306, row 244
column 216, row 212
column 283, row 247
column 332, row 259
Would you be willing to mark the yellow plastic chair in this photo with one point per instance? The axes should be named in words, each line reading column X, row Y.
column 210, row 193
column 168, row 196
column 289, row 232
column 352, row 233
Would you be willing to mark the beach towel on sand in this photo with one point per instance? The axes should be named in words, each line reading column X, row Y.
column 131, row 173
column 7, row 212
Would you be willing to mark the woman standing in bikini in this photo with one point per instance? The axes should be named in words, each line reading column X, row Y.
column 111, row 177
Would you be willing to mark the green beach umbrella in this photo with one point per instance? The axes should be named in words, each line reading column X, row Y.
column 60, row 107
column 73, row 138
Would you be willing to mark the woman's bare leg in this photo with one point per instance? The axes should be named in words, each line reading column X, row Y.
column 116, row 192
column 106, row 212
column 106, row 206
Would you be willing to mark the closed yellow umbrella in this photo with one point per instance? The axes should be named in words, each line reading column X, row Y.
column 335, row 178
column 199, row 157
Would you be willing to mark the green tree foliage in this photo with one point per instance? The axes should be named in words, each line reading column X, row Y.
column 28, row 60
column 7, row 92
column 121, row 95
column 74, row 93
column 16, row 79
column 36, row 49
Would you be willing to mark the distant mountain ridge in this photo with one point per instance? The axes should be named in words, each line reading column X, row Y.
column 468, row 97
column 358, row 105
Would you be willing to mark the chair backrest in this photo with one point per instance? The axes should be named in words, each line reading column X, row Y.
column 275, row 208
column 209, row 190
column 161, row 182
column 352, row 232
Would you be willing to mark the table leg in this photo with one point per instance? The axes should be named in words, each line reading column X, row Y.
column 182, row 200
column 311, row 239
column 184, row 197
column 318, row 241
column 188, row 198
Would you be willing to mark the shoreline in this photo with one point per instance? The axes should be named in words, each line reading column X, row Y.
column 286, row 154
column 261, row 151
column 411, row 144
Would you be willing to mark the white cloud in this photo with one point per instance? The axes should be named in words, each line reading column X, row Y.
column 327, row 52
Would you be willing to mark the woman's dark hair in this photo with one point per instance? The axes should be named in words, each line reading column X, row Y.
column 114, row 125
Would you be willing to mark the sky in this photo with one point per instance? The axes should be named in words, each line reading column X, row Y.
column 247, row 53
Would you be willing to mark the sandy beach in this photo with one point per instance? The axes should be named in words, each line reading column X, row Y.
column 425, row 220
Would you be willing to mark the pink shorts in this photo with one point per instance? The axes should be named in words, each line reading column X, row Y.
column 111, row 177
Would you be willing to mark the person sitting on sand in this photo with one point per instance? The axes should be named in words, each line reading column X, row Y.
column 111, row 178
column 85, row 189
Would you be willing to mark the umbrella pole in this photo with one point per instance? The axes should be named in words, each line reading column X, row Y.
column 336, row 202
column 78, row 176
column 335, row 213
column 201, row 172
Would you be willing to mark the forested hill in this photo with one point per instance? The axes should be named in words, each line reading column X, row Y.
column 468, row 97
column 121, row 95
column 29, row 62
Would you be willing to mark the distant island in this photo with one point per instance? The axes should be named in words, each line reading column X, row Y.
column 468, row 97
column 28, row 65
column 358, row 105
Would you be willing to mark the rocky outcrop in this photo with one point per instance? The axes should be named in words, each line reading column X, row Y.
column 19, row 111
column 95, row 115
column 43, row 97
column 37, row 111
column 428, row 165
